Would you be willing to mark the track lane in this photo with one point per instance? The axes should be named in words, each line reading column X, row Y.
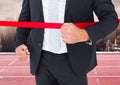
column 14, row 72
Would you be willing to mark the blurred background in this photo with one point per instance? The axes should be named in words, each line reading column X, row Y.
column 10, row 9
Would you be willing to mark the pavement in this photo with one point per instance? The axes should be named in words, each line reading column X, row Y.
column 14, row 72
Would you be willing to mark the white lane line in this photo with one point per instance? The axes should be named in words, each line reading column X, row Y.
column 16, row 76
column 2, row 70
column 1, row 77
column 98, row 81
column 98, row 58
column 8, row 59
column 14, row 67
column 109, row 66
column 113, row 59
column 7, row 53
column 103, row 52
column 2, row 60
column 33, row 76
column 106, row 59
column 95, row 71
column 105, row 76
column 11, row 63
column 22, row 66
column 98, row 52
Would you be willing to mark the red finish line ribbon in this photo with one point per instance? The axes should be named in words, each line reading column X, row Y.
column 42, row 24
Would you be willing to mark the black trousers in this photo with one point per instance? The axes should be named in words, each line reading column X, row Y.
column 55, row 69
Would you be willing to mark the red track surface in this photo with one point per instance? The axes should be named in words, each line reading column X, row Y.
column 14, row 72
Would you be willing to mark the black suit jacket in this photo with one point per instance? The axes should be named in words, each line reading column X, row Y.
column 82, row 57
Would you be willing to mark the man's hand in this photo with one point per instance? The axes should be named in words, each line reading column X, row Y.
column 22, row 52
column 72, row 34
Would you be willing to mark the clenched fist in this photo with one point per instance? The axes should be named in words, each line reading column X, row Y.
column 72, row 34
column 22, row 52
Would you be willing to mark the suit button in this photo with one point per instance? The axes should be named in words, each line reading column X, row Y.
column 39, row 44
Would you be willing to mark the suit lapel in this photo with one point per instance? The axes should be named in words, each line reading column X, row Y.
column 41, row 7
column 67, row 4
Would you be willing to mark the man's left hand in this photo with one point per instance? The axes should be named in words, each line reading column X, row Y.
column 72, row 34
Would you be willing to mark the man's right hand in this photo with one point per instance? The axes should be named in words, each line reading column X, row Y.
column 22, row 52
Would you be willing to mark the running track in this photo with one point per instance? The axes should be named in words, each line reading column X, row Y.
column 14, row 72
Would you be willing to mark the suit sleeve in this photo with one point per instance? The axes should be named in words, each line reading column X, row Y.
column 23, row 33
column 108, row 21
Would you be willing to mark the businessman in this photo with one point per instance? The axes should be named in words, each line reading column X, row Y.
column 63, row 56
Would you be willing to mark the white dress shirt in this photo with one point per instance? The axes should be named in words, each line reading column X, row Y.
column 61, row 12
